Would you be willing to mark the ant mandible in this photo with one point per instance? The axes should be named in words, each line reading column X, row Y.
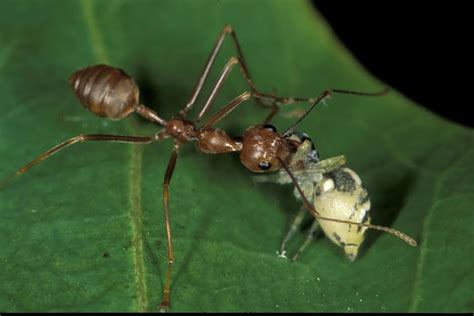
column 111, row 93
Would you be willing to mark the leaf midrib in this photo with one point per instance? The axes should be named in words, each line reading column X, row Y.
column 135, row 167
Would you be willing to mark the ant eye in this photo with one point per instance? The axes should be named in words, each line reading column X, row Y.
column 264, row 165
column 270, row 126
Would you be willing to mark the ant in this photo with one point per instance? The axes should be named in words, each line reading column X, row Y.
column 111, row 93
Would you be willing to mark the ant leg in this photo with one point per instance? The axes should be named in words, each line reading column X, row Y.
column 271, row 101
column 267, row 100
column 220, row 81
column 257, row 95
column 219, row 115
column 202, row 77
column 293, row 228
column 327, row 94
column 74, row 140
column 313, row 101
column 309, row 239
column 263, row 99
column 165, row 304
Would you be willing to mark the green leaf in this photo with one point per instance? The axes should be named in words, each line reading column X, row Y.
column 83, row 231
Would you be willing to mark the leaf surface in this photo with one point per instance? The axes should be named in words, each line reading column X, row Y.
column 83, row 231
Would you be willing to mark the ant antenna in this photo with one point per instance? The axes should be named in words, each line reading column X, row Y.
column 327, row 94
column 316, row 214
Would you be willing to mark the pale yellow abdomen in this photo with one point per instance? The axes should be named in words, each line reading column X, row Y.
column 340, row 195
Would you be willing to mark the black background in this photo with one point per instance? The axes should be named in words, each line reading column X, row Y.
column 419, row 48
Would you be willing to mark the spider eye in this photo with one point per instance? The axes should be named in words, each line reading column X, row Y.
column 270, row 126
column 264, row 165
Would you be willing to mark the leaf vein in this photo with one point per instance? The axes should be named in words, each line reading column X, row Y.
column 424, row 248
column 136, row 214
column 416, row 296
column 135, row 165
column 97, row 42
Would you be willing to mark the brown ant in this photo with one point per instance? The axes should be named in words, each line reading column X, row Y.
column 110, row 92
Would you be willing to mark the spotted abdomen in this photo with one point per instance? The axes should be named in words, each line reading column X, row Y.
column 340, row 195
column 105, row 90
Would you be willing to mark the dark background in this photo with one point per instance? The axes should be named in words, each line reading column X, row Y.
column 419, row 48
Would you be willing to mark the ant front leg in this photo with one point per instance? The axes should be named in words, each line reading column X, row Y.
column 74, row 140
column 223, row 112
column 217, row 87
column 210, row 61
column 263, row 99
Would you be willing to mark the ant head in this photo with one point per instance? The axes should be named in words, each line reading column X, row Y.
column 262, row 147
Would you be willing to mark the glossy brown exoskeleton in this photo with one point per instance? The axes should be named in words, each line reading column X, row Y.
column 111, row 93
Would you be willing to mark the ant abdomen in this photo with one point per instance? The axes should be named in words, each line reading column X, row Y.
column 105, row 90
